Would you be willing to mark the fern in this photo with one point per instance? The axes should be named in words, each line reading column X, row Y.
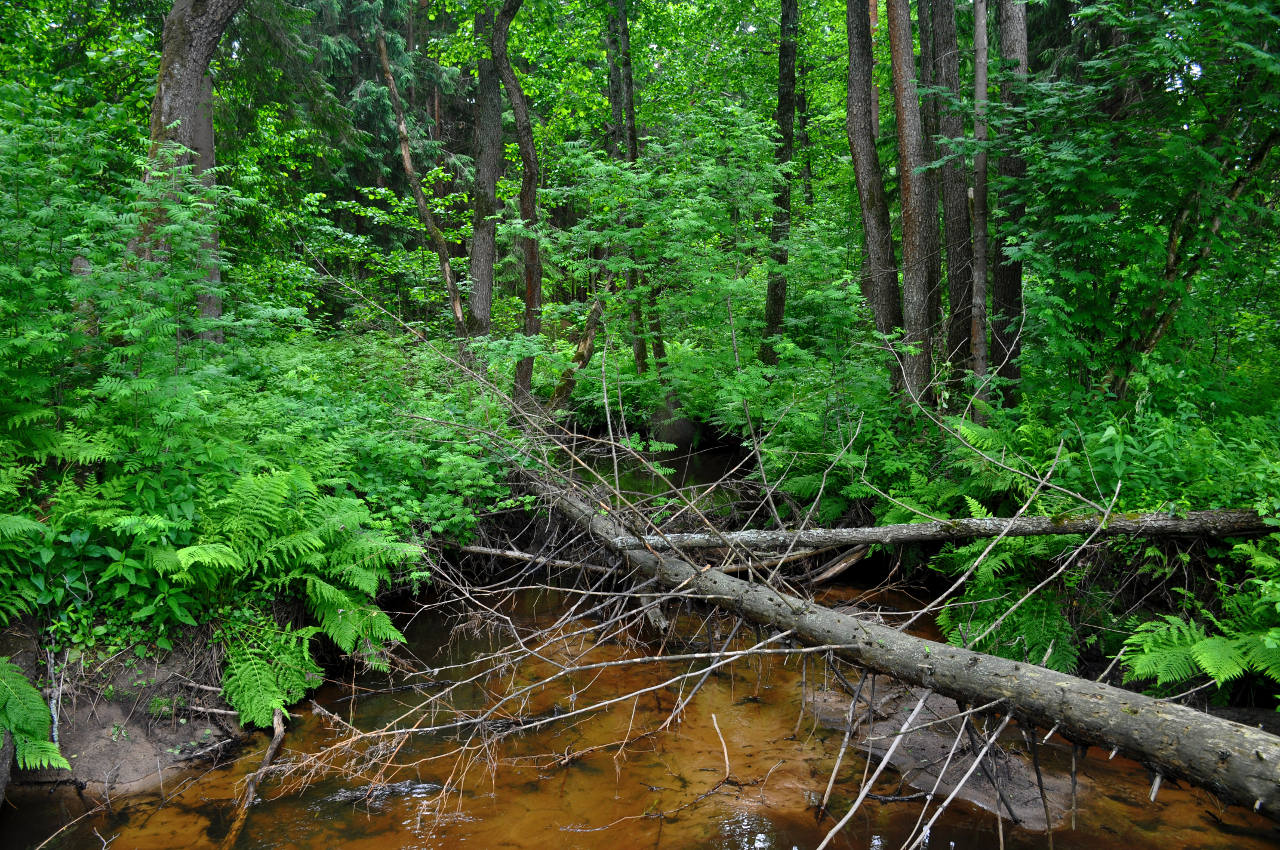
column 24, row 714
column 268, row 668
column 1173, row 650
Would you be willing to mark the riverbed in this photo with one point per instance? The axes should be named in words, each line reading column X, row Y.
column 742, row 767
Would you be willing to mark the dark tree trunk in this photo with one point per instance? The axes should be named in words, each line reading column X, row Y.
column 631, row 136
column 879, row 267
column 528, row 192
column 955, row 192
column 929, row 108
column 803, row 139
column 978, row 318
column 916, row 215
column 776, row 294
column 434, row 235
column 488, row 158
column 182, row 109
column 1006, row 279
column 629, row 143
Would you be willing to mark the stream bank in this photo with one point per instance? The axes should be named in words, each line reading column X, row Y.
column 124, row 723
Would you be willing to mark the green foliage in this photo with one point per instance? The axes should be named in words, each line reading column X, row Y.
column 269, row 667
column 1036, row 629
column 24, row 714
column 1242, row 637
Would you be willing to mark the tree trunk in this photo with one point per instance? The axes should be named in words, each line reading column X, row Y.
column 978, row 319
column 528, row 193
column 182, row 109
column 1228, row 523
column 931, row 191
column 488, row 158
column 415, row 187
column 1238, row 763
column 1006, row 278
column 629, row 143
column 916, row 215
column 955, row 196
column 880, row 267
column 776, row 291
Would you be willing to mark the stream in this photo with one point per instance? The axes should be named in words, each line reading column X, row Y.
column 742, row 769
column 660, row 792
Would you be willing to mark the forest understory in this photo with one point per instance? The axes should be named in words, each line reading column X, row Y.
column 323, row 322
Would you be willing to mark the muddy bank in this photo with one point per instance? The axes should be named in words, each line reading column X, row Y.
column 123, row 722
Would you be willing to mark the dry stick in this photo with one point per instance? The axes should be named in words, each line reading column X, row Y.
column 724, row 749
column 251, row 787
column 804, row 685
column 1000, row 620
column 976, row 761
column 992, row 776
column 848, row 733
column 866, row 785
column 1028, row 734
column 990, row 546
column 937, row 782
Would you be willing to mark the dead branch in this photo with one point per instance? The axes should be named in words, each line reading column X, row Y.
column 1235, row 761
column 1225, row 523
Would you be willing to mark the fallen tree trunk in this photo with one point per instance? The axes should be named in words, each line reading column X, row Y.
column 1199, row 523
column 1239, row 763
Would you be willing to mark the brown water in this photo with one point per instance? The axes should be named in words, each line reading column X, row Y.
column 669, row 790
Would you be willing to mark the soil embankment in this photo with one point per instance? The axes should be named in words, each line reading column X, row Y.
column 122, row 722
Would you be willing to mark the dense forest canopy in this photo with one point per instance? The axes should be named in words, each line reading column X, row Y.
column 929, row 260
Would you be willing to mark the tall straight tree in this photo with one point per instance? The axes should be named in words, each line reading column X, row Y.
column 978, row 319
column 528, row 192
column 182, row 109
column 879, row 265
column 1006, row 277
column 958, row 235
column 622, row 93
column 488, row 159
column 776, row 295
column 917, row 217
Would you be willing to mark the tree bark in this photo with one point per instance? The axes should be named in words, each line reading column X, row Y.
column 776, row 290
column 880, row 267
column 1238, row 763
column 1006, row 278
column 1228, row 523
column 955, row 196
column 488, row 158
column 978, row 316
column 931, row 191
column 182, row 109
column 619, row 25
column 528, row 192
column 428, row 220
column 916, row 216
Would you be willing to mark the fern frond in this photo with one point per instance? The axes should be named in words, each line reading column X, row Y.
column 13, row 526
column 24, row 714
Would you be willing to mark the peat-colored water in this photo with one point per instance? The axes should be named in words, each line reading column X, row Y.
column 665, row 791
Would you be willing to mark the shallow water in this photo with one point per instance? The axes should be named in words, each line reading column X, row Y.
column 669, row 790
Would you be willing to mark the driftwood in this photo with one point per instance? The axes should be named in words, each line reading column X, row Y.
column 1239, row 763
column 1199, row 523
